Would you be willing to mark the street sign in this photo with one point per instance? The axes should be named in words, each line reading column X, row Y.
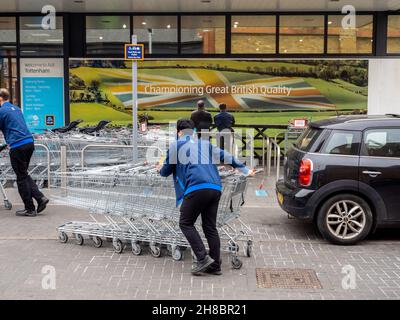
column 134, row 52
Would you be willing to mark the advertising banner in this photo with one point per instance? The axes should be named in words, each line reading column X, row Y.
column 262, row 91
column 42, row 93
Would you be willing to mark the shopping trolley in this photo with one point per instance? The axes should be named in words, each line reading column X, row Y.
column 138, row 207
column 7, row 202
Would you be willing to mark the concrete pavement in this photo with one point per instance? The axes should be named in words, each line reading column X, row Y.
column 30, row 255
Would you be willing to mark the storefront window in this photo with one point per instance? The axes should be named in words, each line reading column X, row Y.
column 301, row 34
column 253, row 34
column 8, row 36
column 203, row 34
column 8, row 77
column 393, row 34
column 357, row 39
column 158, row 33
column 106, row 35
column 37, row 41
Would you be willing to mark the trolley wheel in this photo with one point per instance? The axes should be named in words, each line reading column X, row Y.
column 136, row 248
column 117, row 245
column 97, row 242
column 248, row 248
column 177, row 254
column 79, row 239
column 233, row 247
column 7, row 204
column 155, row 250
column 63, row 237
column 236, row 263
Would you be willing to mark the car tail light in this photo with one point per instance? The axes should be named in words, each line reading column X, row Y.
column 305, row 172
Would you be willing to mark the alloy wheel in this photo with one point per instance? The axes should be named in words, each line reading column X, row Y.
column 346, row 219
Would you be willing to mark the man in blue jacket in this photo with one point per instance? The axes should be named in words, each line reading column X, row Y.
column 224, row 122
column 198, row 187
column 20, row 141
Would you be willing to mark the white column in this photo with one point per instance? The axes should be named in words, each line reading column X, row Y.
column 384, row 86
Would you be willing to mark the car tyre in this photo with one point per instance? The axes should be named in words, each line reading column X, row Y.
column 345, row 219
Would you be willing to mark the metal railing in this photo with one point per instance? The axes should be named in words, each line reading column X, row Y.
column 285, row 136
column 234, row 148
column 48, row 162
column 267, row 144
column 112, row 146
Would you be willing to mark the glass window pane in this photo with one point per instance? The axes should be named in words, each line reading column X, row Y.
column 253, row 34
column 158, row 33
column 350, row 40
column 301, row 34
column 342, row 142
column 393, row 34
column 203, row 34
column 36, row 41
column 382, row 143
column 8, row 77
column 106, row 35
column 8, row 36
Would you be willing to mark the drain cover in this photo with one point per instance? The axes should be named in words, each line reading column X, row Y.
column 287, row 278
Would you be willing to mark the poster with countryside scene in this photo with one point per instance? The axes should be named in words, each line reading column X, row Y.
column 257, row 91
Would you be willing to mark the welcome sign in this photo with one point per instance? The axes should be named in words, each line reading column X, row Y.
column 42, row 93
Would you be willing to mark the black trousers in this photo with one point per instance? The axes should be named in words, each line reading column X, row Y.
column 27, row 188
column 205, row 203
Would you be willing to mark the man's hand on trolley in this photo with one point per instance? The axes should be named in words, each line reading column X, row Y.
column 158, row 166
column 3, row 147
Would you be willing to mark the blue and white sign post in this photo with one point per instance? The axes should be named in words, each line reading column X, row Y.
column 42, row 93
column 134, row 52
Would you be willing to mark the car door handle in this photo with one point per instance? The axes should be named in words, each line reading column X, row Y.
column 372, row 174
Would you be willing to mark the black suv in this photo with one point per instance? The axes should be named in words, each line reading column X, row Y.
column 343, row 173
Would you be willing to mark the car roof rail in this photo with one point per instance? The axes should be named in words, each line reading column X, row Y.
column 394, row 115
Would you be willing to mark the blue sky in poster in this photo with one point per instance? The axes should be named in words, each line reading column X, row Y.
column 43, row 97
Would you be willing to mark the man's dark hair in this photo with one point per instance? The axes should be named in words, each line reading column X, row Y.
column 184, row 124
column 222, row 106
column 200, row 104
column 4, row 94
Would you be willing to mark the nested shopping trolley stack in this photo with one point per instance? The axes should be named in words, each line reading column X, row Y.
column 137, row 207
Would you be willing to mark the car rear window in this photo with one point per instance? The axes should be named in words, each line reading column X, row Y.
column 307, row 139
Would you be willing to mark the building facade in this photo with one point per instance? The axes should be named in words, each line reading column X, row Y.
column 35, row 63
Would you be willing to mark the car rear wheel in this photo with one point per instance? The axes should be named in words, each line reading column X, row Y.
column 345, row 219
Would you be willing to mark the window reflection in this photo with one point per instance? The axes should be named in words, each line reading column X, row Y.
column 350, row 40
column 253, row 34
column 203, row 34
column 301, row 34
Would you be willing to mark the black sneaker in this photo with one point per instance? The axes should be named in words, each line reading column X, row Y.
column 215, row 272
column 202, row 265
column 25, row 213
column 42, row 204
column 214, row 269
